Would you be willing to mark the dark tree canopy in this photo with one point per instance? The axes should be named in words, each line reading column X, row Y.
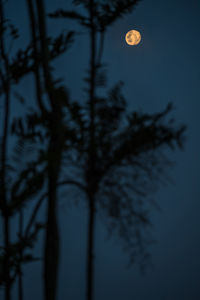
column 115, row 157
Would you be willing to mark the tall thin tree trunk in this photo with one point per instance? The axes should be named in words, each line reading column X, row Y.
column 54, row 120
column 51, row 254
column 4, row 201
column 20, row 276
column 90, row 251
column 92, row 159
column 38, row 82
column 51, row 260
column 5, row 204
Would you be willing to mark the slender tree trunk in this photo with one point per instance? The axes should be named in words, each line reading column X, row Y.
column 92, row 159
column 38, row 82
column 20, row 276
column 5, row 204
column 51, row 246
column 51, row 243
column 51, row 254
column 90, row 251
column 7, row 255
column 4, row 201
column 54, row 120
column 51, row 260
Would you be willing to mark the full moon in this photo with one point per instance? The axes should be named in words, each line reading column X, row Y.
column 133, row 37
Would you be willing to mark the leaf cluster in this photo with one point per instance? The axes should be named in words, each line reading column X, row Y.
column 105, row 12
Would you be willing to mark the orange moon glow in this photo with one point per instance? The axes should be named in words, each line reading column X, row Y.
column 133, row 37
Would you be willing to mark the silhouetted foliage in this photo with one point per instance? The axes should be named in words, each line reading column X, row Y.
column 5, row 90
column 18, row 183
column 120, row 153
column 114, row 156
column 53, row 122
column 25, row 170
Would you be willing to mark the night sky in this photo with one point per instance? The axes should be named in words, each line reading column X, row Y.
column 164, row 67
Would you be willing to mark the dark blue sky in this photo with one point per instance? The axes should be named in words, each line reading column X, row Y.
column 164, row 67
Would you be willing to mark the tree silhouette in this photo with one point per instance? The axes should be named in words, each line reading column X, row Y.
column 120, row 152
column 20, row 182
column 15, row 192
column 5, row 88
column 56, row 133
